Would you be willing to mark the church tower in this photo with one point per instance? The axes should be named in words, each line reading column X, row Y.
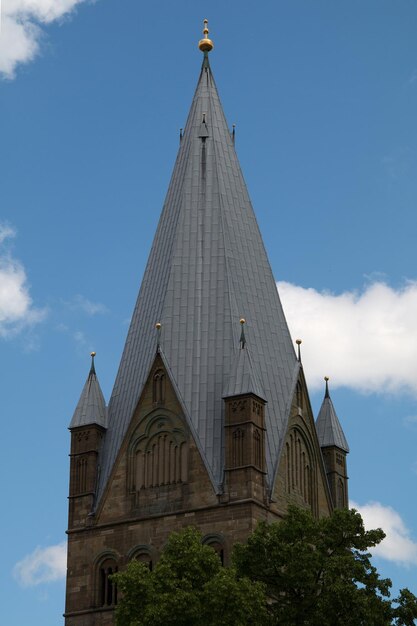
column 209, row 422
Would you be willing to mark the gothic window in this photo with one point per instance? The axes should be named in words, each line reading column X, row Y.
column 107, row 589
column 237, row 447
column 298, row 467
column 81, row 475
column 158, row 454
column 158, row 387
column 257, row 448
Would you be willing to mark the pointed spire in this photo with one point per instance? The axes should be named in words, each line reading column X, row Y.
column 329, row 429
column 207, row 264
column 91, row 407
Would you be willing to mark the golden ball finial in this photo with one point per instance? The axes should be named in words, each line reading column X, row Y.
column 205, row 44
column 298, row 342
column 158, row 325
column 242, row 321
column 326, row 378
column 93, row 354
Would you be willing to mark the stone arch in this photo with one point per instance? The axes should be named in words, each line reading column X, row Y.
column 105, row 590
column 301, row 467
column 158, row 452
column 216, row 542
column 158, row 387
column 143, row 553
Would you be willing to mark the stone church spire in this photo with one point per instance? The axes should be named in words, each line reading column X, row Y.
column 207, row 266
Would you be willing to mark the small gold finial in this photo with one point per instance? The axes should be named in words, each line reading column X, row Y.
column 205, row 44
column 298, row 342
column 326, row 378
column 92, row 354
column 158, row 325
column 242, row 321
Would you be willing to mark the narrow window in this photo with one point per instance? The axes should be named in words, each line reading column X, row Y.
column 158, row 387
column 237, row 456
column 107, row 595
column 257, row 448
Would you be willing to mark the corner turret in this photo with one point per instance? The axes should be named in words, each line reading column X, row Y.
column 87, row 427
column 245, row 466
column 334, row 447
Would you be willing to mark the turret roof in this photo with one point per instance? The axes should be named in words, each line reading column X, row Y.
column 329, row 429
column 91, row 407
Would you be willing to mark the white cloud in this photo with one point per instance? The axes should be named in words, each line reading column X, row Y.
column 364, row 340
column 16, row 307
column 397, row 546
column 87, row 306
column 21, row 31
column 43, row 565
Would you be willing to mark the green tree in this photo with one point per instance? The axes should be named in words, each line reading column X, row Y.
column 188, row 587
column 317, row 572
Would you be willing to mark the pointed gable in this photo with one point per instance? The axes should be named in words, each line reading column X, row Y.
column 91, row 407
column 329, row 429
column 207, row 267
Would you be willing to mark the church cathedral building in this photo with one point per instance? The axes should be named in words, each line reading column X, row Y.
column 209, row 423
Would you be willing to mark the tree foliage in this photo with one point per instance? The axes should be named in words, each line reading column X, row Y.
column 318, row 572
column 301, row 571
column 188, row 587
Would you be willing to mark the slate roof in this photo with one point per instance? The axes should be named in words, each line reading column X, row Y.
column 91, row 407
column 329, row 430
column 207, row 268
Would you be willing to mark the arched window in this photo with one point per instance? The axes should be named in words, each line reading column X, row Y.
column 144, row 554
column 340, row 494
column 81, row 475
column 158, row 387
column 215, row 542
column 298, row 466
column 158, row 453
column 257, row 448
column 107, row 588
column 237, row 449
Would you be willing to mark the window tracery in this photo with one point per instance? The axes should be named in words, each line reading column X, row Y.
column 299, row 466
column 158, row 454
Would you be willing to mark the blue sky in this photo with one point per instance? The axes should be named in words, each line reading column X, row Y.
column 92, row 96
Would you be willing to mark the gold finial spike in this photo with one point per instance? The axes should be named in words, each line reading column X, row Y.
column 158, row 327
column 299, row 342
column 92, row 368
column 327, row 394
column 242, row 340
column 205, row 44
